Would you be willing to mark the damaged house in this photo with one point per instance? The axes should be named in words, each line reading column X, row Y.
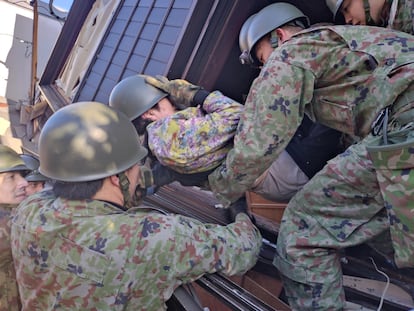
column 105, row 41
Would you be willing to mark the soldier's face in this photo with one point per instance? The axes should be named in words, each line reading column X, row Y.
column 354, row 12
column 263, row 49
column 12, row 188
column 163, row 109
column 33, row 187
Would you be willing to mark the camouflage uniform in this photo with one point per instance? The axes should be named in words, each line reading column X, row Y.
column 196, row 140
column 9, row 294
column 401, row 16
column 91, row 255
column 343, row 77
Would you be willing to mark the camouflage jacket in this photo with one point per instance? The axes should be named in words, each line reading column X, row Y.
column 9, row 294
column 91, row 255
column 196, row 140
column 402, row 16
column 341, row 76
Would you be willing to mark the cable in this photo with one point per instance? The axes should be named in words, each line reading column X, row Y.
column 386, row 286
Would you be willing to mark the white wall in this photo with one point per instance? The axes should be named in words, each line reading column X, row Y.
column 16, row 24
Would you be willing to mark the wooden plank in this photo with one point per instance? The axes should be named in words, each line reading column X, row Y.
column 269, row 209
column 38, row 109
column 54, row 99
column 265, row 288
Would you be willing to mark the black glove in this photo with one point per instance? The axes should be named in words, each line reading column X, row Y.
column 139, row 195
column 194, row 179
column 239, row 206
column 162, row 175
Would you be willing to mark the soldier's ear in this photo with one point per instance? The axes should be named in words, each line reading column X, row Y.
column 114, row 180
column 283, row 34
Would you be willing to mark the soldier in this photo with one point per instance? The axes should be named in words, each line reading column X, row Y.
column 85, row 246
column 190, row 131
column 312, row 145
column 36, row 181
column 358, row 80
column 12, row 192
column 395, row 14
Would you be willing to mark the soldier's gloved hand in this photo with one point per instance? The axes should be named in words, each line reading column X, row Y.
column 146, row 177
column 181, row 92
column 162, row 175
column 239, row 206
column 193, row 179
column 139, row 194
column 145, row 183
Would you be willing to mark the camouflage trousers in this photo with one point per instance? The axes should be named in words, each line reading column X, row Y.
column 393, row 158
column 342, row 206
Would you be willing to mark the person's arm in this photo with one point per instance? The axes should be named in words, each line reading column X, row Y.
column 273, row 111
column 196, row 139
column 198, row 248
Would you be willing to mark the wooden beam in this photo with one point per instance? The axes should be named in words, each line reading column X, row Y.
column 34, row 53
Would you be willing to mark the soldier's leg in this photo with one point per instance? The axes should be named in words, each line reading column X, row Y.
column 393, row 157
column 282, row 180
column 340, row 207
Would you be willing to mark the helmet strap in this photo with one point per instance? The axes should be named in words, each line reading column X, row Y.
column 369, row 20
column 274, row 39
column 124, row 186
column 386, row 11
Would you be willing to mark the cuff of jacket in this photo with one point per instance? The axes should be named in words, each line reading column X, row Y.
column 199, row 97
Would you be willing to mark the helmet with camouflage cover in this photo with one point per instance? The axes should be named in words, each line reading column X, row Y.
column 32, row 164
column 133, row 96
column 10, row 160
column 267, row 19
column 86, row 141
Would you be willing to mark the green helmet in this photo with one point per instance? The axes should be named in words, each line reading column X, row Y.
column 30, row 161
column 267, row 19
column 10, row 160
column 334, row 6
column 133, row 96
column 33, row 163
column 86, row 141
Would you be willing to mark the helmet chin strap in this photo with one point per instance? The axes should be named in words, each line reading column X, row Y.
column 124, row 186
column 138, row 195
column 369, row 20
column 274, row 40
